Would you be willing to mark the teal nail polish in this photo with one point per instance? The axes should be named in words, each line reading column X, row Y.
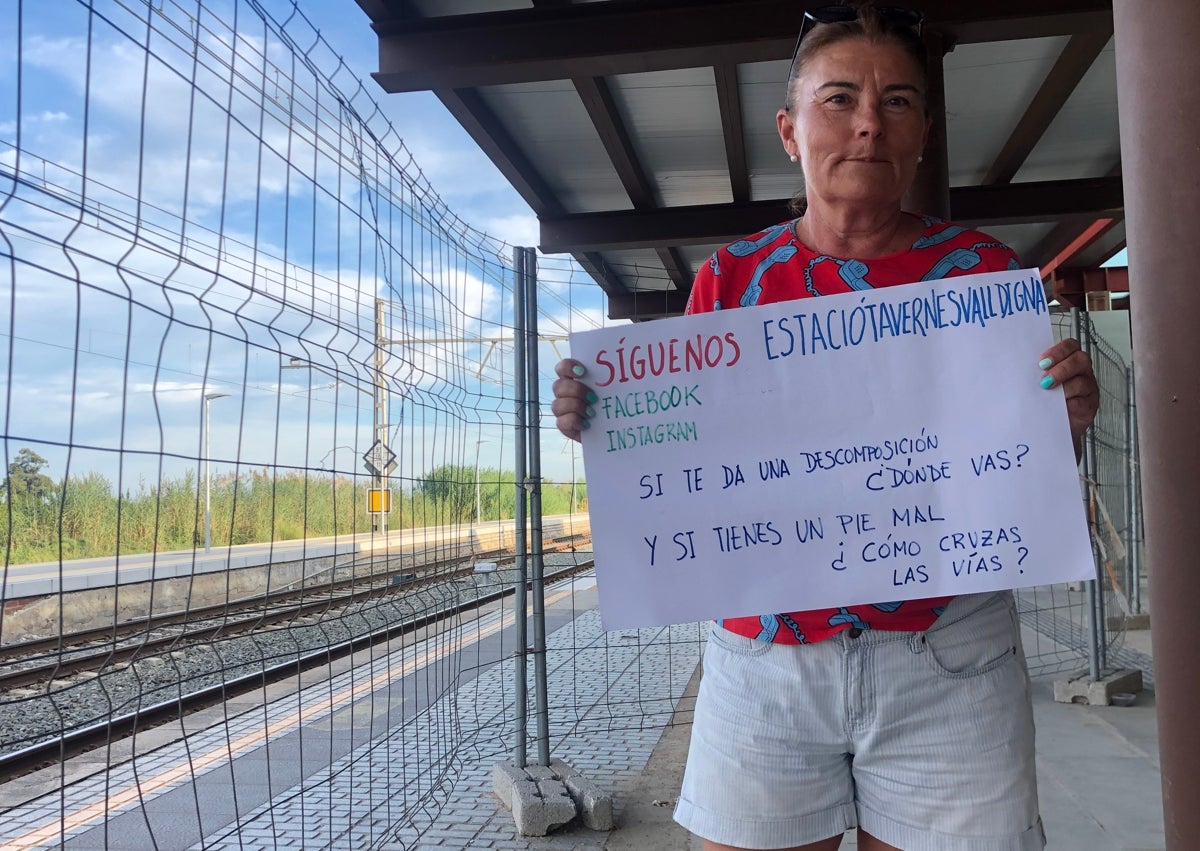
column 586, row 425
column 590, row 412
column 1047, row 382
column 1045, row 363
column 578, row 370
column 592, row 397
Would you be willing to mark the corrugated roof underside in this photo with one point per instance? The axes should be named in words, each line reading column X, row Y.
column 550, row 125
column 696, row 255
column 675, row 121
column 772, row 175
column 447, row 8
column 1020, row 238
column 1084, row 138
column 988, row 88
column 1103, row 248
column 640, row 269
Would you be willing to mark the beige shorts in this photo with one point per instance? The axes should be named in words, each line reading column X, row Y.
column 924, row 739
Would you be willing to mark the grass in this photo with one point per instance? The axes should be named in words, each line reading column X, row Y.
column 85, row 517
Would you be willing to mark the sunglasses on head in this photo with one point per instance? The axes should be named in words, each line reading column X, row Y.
column 896, row 17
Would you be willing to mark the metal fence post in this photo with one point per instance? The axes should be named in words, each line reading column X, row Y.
column 533, row 429
column 1080, row 330
column 1133, row 533
column 1092, row 466
column 520, row 710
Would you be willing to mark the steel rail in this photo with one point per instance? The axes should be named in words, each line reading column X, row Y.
column 197, row 627
column 71, row 743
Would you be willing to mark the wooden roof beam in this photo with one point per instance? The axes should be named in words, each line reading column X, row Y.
column 1067, row 231
column 1072, row 285
column 1074, row 61
column 1059, row 237
column 1088, row 236
column 647, row 305
column 729, row 101
column 1112, row 251
column 602, row 109
column 606, row 118
column 632, row 36
column 478, row 119
column 483, row 125
column 721, row 223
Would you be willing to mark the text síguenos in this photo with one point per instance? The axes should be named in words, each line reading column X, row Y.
column 704, row 351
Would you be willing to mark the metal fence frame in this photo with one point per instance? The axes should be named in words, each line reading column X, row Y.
column 1080, row 627
column 1070, row 627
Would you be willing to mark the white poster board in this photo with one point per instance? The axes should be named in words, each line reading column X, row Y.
column 863, row 448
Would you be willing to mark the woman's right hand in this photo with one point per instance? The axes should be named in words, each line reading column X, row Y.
column 573, row 399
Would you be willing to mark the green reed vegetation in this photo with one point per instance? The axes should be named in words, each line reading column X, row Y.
column 44, row 520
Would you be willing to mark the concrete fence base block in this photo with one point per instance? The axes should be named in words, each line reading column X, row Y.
column 1116, row 623
column 1080, row 689
column 595, row 806
column 538, row 805
column 542, row 798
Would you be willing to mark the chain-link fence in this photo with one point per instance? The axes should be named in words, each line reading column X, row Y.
column 1082, row 626
column 257, row 424
column 259, row 433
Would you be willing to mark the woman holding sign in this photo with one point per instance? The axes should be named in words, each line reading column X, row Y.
column 909, row 721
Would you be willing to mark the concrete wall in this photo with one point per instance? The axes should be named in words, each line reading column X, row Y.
column 1113, row 326
column 32, row 618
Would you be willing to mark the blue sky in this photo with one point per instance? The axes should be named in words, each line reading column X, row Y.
column 233, row 251
column 1121, row 258
column 454, row 164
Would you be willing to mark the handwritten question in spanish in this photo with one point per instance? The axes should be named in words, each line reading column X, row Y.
column 861, row 448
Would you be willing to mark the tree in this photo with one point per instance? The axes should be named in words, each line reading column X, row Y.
column 25, row 478
column 454, row 487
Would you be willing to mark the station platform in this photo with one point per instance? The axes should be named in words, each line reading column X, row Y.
column 312, row 769
column 37, row 579
column 46, row 600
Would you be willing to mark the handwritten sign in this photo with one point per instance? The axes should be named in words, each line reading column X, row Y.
column 853, row 449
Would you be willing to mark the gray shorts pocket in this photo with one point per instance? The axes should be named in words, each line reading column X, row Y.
column 739, row 645
column 983, row 641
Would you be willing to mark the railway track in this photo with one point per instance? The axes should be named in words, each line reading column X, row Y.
column 48, row 661
column 84, row 738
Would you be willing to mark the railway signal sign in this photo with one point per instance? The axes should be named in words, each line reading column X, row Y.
column 379, row 500
column 379, row 459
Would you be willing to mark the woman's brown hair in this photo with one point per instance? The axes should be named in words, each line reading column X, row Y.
column 869, row 25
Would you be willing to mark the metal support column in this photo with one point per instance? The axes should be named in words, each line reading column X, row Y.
column 520, row 710
column 534, row 419
column 1157, row 66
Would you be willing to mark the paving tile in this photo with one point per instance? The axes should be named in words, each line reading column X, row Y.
column 423, row 783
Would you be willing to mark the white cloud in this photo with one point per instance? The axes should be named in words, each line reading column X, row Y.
column 455, row 173
column 215, row 311
column 515, row 229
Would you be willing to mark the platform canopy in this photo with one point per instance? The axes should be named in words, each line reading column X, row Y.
column 642, row 132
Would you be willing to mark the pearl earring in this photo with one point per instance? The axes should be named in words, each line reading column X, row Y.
column 920, row 159
column 794, row 158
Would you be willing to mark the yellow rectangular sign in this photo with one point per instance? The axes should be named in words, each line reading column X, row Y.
column 379, row 500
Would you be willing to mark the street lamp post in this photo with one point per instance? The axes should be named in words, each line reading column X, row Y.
column 569, row 444
column 478, row 512
column 208, row 397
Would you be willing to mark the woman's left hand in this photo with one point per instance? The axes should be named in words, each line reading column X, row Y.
column 1070, row 367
